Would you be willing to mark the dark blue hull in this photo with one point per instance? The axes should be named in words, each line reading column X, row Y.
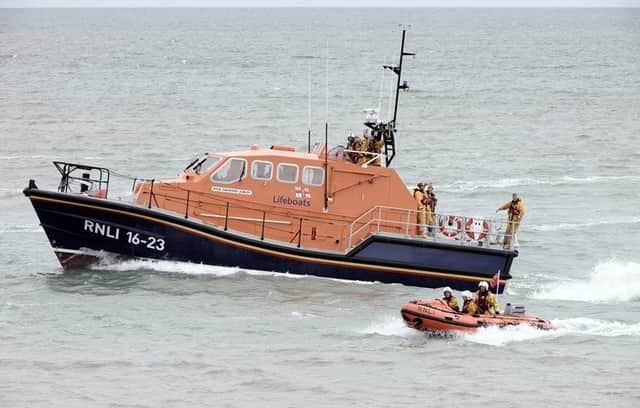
column 78, row 226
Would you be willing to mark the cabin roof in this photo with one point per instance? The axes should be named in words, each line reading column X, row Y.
column 269, row 152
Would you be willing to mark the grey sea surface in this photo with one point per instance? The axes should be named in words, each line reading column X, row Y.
column 543, row 102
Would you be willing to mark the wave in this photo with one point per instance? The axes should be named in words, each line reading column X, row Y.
column 610, row 281
column 582, row 326
column 495, row 336
column 390, row 326
column 471, row 186
column 596, row 327
column 584, row 225
column 109, row 263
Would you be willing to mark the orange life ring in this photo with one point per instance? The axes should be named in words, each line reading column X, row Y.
column 477, row 229
column 450, row 225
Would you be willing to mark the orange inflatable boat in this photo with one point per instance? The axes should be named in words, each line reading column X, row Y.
column 435, row 315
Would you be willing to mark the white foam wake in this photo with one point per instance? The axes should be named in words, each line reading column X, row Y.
column 496, row 336
column 582, row 326
column 610, row 281
column 595, row 327
column 390, row 326
column 113, row 263
column 110, row 264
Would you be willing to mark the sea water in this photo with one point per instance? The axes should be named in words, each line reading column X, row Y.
column 542, row 102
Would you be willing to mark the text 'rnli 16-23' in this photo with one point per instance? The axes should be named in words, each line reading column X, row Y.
column 132, row 238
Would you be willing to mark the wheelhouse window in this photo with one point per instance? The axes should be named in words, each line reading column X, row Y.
column 205, row 164
column 287, row 173
column 261, row 170
column 231, row 171
column 313, row 176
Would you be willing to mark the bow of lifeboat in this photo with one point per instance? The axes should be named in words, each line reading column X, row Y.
column 435, row 315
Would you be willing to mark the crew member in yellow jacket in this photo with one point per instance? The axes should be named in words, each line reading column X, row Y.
column 451, row 300
column 430, row 202
column 515, row 209
column 485, row 301
column 418, row 195
column 468, row 304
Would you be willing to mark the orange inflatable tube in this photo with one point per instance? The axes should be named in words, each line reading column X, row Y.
column 436, row 316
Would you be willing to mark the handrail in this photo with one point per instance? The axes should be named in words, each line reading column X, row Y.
column 375, row 220
column 373, row 159
column 463, row 231
column 87, row 182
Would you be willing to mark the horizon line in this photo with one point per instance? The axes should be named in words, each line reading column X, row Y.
column 324, row 7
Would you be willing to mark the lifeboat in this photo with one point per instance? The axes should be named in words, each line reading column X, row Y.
column 434, row 315
column 337, row 211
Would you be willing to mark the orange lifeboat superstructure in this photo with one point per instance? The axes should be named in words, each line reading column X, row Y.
column 270, row 192
column 434, row 315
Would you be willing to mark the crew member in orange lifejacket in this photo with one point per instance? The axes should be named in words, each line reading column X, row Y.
column 419, row 196
column 451, row 300
column 516, row 212
column 468, row 305
column 485, row 301
column 430, row 202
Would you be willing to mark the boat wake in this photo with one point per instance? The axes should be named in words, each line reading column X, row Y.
column 113, row 263
column 495, row 336
column 390, row 326
column 109, row 263
column 596, row 327
column 582, row 326
column 610, row 281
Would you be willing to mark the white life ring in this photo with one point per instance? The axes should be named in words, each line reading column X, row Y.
column 450, row 225
column 477, row 229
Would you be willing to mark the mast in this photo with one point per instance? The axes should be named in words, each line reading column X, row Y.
column 387, row 130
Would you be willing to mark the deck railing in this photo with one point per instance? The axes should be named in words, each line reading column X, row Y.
column 445, row 228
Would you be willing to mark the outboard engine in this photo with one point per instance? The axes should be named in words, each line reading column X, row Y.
column 515, row 310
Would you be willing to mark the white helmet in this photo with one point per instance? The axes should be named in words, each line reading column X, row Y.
column 467, row 294
column 483, row 284
column 445, row 290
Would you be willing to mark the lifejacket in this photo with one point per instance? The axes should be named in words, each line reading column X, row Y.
column 430, row 201
column 466, row 304
column 514, row 211
column 434, row 201
column 419, row 200
column 371, row 147
column 482, row 303
column 452, row 303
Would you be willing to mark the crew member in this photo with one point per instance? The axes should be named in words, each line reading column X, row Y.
column 430, row 202
column 451, row 300
column 515, row 209
column 468, row 305
column 375, row 148
column 485, row 301
column 351, row 145
column 419, row 195
column 364, row 148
